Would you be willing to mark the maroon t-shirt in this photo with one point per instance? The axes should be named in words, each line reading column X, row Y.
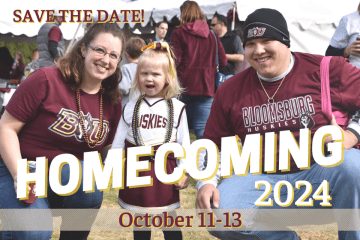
column 46, row 103
column 241, row 107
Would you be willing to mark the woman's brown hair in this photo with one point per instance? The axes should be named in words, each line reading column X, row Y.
column 72, row 65
column 191, row 12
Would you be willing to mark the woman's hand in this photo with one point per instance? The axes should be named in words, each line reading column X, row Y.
column 183, row 184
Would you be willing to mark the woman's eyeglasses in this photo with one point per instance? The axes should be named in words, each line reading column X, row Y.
column 213, row 24
column 102, row 52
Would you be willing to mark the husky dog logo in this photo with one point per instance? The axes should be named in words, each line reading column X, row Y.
column 306, row 120
column 88, row 127
column 256, row 32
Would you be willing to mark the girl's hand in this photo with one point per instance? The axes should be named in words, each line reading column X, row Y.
column 183, row 184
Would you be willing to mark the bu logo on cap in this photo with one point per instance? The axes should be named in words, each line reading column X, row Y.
column 256, row 32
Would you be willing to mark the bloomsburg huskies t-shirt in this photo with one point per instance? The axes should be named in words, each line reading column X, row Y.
column 241, row 107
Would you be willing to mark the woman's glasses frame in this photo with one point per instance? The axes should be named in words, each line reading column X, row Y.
column 100, row 51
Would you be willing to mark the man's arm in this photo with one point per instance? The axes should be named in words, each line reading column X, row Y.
column 235, row 57
column 55, row 36
column 53, row 50
column 217, row 126
column 207, row 190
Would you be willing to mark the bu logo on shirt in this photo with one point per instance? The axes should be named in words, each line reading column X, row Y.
column 68, row 125
column 256, row 32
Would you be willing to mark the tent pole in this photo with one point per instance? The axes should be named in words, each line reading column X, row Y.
column 233, row 21
column 73, row 39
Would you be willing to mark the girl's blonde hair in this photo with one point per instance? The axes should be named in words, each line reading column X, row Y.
column 172, row 85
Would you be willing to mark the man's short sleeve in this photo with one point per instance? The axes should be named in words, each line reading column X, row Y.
column 55, row 34
column 238, row 46
column 24, row 104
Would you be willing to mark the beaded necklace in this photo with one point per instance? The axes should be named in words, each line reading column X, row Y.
column 135, row 122
column 90, row 143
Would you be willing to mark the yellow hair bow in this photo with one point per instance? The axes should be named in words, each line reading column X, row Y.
column 162, row 45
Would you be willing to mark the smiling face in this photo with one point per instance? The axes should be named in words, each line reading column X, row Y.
column 152, row 78
column 99, row 67
column 269, row 57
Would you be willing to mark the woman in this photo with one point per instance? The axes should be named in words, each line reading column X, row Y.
column 18, row 67
column 72, row 108
column 195, row 49
column 5, row 63
column 344, row 42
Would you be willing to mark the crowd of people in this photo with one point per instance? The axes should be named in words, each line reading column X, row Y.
column 87, row 100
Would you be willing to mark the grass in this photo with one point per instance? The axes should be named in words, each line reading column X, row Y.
column 187, row 198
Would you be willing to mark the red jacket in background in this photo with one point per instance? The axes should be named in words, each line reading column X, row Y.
column 195, row 49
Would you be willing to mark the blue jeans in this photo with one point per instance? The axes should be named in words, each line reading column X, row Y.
column 8, row 200
column 228, row 76
column 344, row 188
column 197, row 111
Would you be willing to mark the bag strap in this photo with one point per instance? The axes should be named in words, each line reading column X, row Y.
column 342, row 117
column 217, row 57
column 325, row 87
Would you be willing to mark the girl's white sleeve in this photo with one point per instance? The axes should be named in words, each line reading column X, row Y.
column 119, row 139
column 183, row 138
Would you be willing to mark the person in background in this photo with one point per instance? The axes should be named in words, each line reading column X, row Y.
column 195, row 50
column 346, row 39
column 231, row 43
column 33, row 65
column 18, row 66
column 72, row 108
column 161, row 29
column 132, row 51
column 50, row 42
column 6, row 62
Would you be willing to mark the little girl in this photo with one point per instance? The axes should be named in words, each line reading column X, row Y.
column 153, row 119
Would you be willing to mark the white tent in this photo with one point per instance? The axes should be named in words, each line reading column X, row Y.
column 159, row 9
column 311, row 23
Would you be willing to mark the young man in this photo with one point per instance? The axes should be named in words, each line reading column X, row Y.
column 231, row 42
column 161, row 29
column 275, row 94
